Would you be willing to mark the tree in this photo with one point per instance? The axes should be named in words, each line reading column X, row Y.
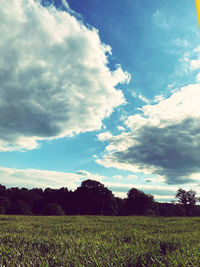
column 37, row 200
column 52, row 209
column 138, row 202
column 19, row 207
column 95, row 199
column 4, row 204
column 121, row 206
column 187, row 198
column 170, row 209
column 2, row 190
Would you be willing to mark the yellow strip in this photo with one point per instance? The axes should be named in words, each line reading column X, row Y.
column 198, row 10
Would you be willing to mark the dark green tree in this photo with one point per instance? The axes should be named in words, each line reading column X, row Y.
column 4, row 204
column 187, row 199
column 93, row 198
column 52, row 209
column 138, row 202
column 19, row 207
column 121, row 206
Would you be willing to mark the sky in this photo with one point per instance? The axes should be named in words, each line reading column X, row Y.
column 102, row 90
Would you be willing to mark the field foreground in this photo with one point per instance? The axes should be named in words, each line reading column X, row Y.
column 99, row 241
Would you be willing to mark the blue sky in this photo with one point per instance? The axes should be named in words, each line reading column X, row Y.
column 106, row 90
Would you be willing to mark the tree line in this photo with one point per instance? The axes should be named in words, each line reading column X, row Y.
column 92, row 198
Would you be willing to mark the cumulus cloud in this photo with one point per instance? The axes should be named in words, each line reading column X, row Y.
column 44, row 178
column 158, row 98
column 198, row 77
column 164, row 139
column 104, row 136
column 31, row 178
column 195, row 64
column 38, row 178
column 120, row 128
column 191, row 59
column 55, row 79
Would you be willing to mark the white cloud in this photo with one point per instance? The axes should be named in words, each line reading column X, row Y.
column 38, row 178
column 55, row 80
column 118, row 177
column 131, row 176
column 44, row 178
column 192, row 59
column 198, row 77
column 120, row 194
column 144, row 99
column 180, row 105
column 150, row 189
column 134, row 94
column 156, row 179
column 104, row 136
column 125, row 178
column 158, row 98
column 171, row 86
column 195, row 64
column 164, row 139
column 141, row 97
column 162, row 198
column 87, row 175
column 165, row 198
column 120, row 128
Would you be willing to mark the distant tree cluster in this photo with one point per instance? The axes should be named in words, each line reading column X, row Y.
column 188, row 200
column 92, row 198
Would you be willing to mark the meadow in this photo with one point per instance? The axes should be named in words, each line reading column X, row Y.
column 99, row 241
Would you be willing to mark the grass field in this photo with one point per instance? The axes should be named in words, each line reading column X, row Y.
column 99, row 241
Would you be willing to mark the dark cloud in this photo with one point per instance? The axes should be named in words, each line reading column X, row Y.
column 172, row 151
column 163, row 139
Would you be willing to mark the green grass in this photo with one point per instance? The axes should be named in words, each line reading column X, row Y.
column 99, row 241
